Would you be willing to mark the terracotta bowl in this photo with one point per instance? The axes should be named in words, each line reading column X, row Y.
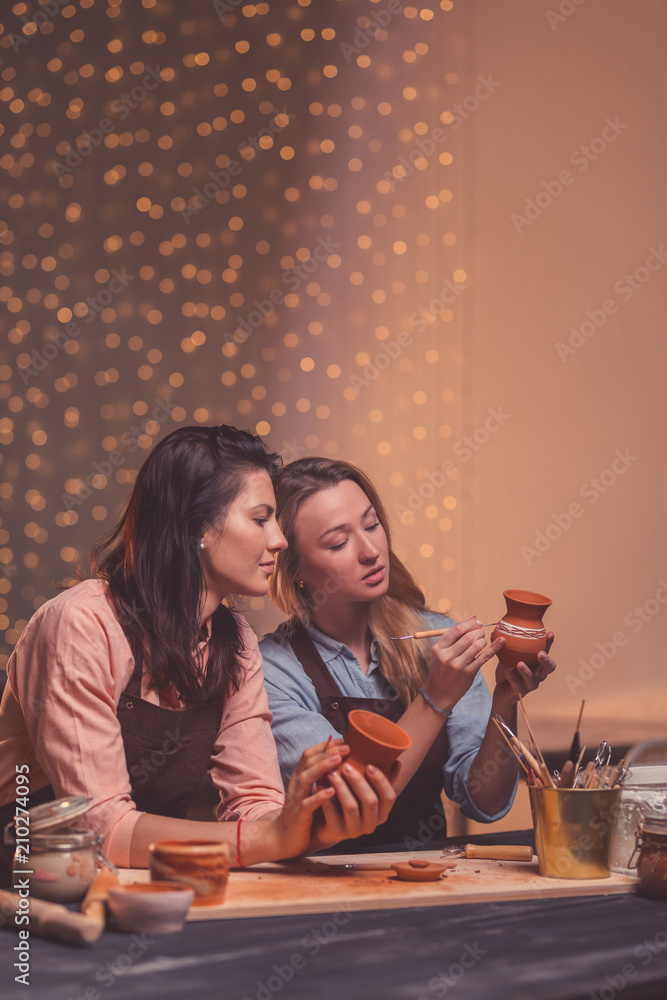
column 198, row 864
column 150, row 907
column 372, row 739
column 418, row 871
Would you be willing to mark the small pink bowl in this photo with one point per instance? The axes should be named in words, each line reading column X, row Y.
column 151, row 907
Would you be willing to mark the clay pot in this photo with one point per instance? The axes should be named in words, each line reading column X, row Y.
column 372, row 739
column 522, row 627
column 198, row 864
column 150, row 907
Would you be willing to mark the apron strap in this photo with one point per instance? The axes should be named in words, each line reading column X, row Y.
column 315, row 667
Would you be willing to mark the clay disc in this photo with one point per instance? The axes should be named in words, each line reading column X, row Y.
column 418, row 873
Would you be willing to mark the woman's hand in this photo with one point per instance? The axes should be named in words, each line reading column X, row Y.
column 362, row 802
column 512, row 682
column 292, row 825
column 456, row 658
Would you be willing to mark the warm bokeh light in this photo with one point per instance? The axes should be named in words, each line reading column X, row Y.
column 247, row 218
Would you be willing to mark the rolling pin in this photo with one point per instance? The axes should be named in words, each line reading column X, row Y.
column 93, row 902
column 503, row 852
column 48, row 920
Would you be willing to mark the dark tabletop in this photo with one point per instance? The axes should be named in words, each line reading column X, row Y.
column 593, row 948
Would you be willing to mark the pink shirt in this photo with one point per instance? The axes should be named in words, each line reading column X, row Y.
column 58, row 714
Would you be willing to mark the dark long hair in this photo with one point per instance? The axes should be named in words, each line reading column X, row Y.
column 400, row 608
column 152, row 559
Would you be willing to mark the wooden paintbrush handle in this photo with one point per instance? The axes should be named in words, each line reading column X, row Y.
column 430, row 632
column 503, row 852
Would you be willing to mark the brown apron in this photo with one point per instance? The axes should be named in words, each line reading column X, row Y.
column 417, row 813
column 167, row 753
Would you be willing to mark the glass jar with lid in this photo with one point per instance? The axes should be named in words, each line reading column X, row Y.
column 59, row 860
column 652, row 856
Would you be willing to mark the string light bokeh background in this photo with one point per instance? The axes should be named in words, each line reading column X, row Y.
column 255, row 149
column 367, row 174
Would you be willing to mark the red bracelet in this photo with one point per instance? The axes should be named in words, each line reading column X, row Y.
column 238, row 844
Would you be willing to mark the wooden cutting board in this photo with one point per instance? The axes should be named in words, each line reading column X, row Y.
column 273, row 890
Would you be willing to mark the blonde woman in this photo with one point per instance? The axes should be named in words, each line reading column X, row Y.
column 345, row 594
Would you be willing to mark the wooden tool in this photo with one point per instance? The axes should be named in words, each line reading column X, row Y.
column 514, row 750
column 49, row 920
column 93, row 905
column 575, row 748
column 543, row 769
column 502, row 852
column 567, row 775
column 434, row 631
column 324, row 867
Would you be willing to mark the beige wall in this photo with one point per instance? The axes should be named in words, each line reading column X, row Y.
column 569, row 418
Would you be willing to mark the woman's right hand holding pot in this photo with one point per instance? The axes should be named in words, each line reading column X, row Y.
column 456, row 658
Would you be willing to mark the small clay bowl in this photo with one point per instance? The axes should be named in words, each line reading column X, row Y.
column 372, row 739
column 200, row 864
column 418, row 871
column 150, row 907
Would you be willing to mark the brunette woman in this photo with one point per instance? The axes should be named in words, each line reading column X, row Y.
column 346, row 594
column 132, row 686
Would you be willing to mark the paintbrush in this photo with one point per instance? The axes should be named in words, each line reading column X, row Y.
column 544, row 770
column 575, row 748
column 434, row 631
column 522, row 751
column 512, row 748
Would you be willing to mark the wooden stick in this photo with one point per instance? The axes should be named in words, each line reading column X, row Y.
column 567, row 775
column 513, row 749
column 429, row 633
column 50, row 920
column 581, row 712
column 549, row 780
column 616, row 772
column 93, row 905
column 504, row 852
column 578, row 764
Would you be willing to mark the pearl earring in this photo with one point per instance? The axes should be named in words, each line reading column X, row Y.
column 201, row 545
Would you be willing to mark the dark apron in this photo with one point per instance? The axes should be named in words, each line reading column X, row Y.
column 167, row 753
column 417, row 814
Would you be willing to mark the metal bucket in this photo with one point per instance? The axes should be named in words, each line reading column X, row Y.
column 644, row 791
column 573, row 830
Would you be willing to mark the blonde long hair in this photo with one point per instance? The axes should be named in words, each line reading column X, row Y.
column 404, row 665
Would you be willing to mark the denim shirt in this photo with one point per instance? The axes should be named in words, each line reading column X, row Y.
column 298, row 723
